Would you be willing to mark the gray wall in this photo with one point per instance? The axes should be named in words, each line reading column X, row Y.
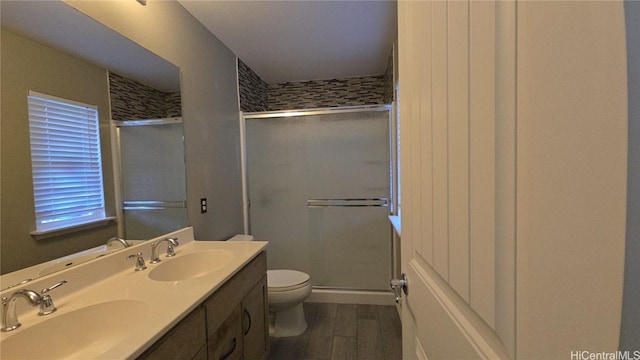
column 630, row 328
column 210, row 107
column 27, row 65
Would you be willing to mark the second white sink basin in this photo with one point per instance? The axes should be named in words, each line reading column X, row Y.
column 189, row 266
column 80, row 334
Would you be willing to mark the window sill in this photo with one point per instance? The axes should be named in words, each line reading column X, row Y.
column 70, row 229
column 395, row 221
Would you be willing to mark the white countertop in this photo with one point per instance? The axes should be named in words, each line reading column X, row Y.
column 112, row 277
column 26, row 275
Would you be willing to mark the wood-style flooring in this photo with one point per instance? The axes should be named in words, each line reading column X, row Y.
column 344, row 332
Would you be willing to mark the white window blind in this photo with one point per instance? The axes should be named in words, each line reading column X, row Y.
column 66, row 162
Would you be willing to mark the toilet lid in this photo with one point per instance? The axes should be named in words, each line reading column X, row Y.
column 285, row 278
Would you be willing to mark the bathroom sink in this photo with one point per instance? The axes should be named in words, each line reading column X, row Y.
column 80, row 334
column 192, row 265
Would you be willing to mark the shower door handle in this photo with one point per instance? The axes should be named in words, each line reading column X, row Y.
column 400, row 284
column 348, row 202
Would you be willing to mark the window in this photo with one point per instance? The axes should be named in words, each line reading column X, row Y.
column 66, row 162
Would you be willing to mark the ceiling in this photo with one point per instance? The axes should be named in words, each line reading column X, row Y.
column 58, row 25
column 303, row 40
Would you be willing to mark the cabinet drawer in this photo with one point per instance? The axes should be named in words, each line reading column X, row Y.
column 225, row 343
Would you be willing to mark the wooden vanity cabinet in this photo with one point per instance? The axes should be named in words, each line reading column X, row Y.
column 231, row 324
column 184, row 341
column 243, row 335
column 255, row 327
column 241, row 301
column 226, row 342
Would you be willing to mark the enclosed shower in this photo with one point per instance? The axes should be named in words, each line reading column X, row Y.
column 319, row 189
column 152, row 191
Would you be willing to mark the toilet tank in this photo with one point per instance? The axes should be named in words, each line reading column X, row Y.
column 241, row 237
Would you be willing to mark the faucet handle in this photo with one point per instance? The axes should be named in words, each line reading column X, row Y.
column 140, row 265
column 171, row 250
column 46, row 306
column 46, row 290
column 172, row 243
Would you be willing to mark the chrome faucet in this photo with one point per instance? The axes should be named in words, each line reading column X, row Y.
column 140, row 265
column 9, row 317
column 120, row 240
column 170, row 249
column 46, row 306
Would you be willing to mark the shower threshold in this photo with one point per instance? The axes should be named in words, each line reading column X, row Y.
column 350, row 296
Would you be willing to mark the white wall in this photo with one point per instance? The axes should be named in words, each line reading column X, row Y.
column 572, row 172
column 630, row 332
column 209, row 103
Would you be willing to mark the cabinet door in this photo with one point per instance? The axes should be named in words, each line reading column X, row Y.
column 183, row 341
column 225, row 343
column 254, row 322
column 222, row 302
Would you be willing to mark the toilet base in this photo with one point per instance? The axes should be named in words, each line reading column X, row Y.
column 289, row 322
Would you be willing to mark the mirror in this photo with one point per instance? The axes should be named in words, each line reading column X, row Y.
column 49, row 47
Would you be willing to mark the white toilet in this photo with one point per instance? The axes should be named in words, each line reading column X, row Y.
column 287, row 289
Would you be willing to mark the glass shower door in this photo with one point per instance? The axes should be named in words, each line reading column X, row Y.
column 319, row 187
column 152, row 175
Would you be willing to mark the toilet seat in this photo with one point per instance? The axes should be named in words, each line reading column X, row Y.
column 286, row 280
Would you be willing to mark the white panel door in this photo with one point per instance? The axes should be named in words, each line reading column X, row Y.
column 448, row 116
column 465, row 187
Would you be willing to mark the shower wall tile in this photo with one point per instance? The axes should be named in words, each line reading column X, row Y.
column 388, row 81
column 257, row 95
column 132, row 100
column 366, row 90
column 253, row 90
column 173, row 102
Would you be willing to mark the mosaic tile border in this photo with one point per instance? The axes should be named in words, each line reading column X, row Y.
column 365, row 90
column 253, row 90
column 256, row 95
column 132, row 100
